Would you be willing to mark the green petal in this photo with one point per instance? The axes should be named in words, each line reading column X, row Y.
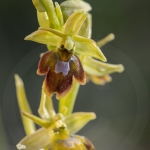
column 77, row 121
column 59, row 14
column 43, row 37
column 37, row 120
column 66, row 104
column 46, row 109
column 88, row 47
column 35, row 141
column 29, row 125
column 105, row 40
column 74, row 23
column 53, row 31
column 97, row 68
column 43, row 19
column 48, row 6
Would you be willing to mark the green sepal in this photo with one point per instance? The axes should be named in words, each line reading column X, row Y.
column 85, row 30
column 43, row 37
column 88, row 47
column 78, row 120
column 98, row 68
column 74, row 23
column 38, row 140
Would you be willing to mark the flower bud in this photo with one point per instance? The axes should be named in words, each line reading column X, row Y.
column 70, row 6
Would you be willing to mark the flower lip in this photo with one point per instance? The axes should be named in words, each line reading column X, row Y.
column 60, row 66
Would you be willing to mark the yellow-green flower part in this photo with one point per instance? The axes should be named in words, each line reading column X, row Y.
column 54, row 127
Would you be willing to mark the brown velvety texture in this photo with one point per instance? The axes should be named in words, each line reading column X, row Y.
column 60, row 80
column 88, row 144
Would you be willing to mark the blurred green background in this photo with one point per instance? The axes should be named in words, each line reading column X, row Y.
column 122, row 106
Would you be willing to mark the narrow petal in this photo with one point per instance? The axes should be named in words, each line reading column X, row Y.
column 78, row 70
column 77, row 121
column 43, row 19
column 48, row 59
column 37, row 120
column 46, row 109
column 43, row 37
column 97, row 68
column 66, row 104
column 105, row 40
column 53, row 31
column 57, row 83
column 88, row 47
column 74, row 23
column 29, row 125
column 35, row 141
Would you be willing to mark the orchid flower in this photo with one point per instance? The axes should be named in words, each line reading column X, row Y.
column 54, row 127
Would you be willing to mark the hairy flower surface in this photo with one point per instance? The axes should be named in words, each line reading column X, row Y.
column 60, row 66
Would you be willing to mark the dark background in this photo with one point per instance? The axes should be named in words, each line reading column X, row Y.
column 122, row 106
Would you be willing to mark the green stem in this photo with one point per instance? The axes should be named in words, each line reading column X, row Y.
column 69, row 100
